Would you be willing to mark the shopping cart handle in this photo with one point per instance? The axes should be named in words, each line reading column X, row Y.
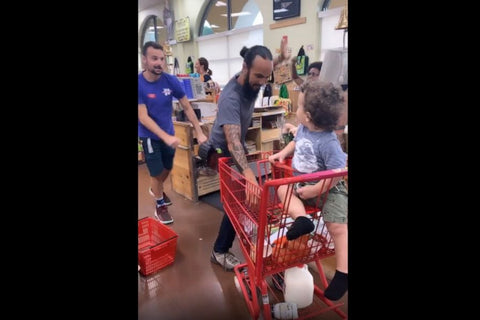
column 281, row 165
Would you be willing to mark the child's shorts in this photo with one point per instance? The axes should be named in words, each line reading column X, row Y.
column 336, row 207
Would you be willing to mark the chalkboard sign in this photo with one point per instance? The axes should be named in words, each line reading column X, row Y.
column 283, row 9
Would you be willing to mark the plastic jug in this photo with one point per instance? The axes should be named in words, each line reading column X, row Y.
column 259, row 100
column 299, row 286
column 285, row 310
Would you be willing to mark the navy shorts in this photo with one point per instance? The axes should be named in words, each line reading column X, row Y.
column 158, row 156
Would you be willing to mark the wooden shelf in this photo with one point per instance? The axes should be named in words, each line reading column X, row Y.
column 184, row 177
column 288, row 22
column 266, row 137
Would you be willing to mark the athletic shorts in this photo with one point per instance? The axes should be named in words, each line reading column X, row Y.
column 158, row 156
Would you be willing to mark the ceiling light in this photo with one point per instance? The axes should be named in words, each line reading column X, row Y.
column 151, row 28
column 237, row 14
column 220, row 4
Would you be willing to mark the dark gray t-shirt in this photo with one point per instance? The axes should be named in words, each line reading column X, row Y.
column 317, row 151
column 233, row 108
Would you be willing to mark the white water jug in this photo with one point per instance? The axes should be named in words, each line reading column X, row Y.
column 285, row 310
column 299, row 286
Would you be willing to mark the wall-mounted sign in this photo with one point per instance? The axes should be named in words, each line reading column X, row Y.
column 182, row 29
column 283, row 9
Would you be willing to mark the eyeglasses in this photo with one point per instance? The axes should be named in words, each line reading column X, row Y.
column 313, row 74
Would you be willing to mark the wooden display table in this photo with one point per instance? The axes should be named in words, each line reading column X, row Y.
column 184, row 176
column 187, row 180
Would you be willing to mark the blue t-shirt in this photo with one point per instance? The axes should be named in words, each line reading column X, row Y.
column 233, row 108
column 317, row 151
column 157, row 96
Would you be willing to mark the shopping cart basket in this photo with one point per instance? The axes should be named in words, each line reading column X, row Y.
column 261, row 222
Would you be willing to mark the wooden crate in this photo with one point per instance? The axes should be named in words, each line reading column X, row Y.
column 271, row 134
column 208, row 184
column 267, row 146
column 184, row 133
column 181, row 176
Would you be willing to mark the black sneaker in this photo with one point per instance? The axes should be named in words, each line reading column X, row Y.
column 167, row 200
column 161, row 213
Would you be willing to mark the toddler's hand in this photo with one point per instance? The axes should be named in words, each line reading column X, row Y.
column 274, row 157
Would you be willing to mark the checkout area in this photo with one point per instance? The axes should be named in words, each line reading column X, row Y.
column 189, row 177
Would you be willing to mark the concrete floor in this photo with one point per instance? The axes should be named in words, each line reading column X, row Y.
column 193, row 287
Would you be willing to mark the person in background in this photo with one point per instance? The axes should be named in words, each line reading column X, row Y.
column 201, row 67
column 313, row 71
column 342, row 123
column 235, row 111
column 316, row 148
column 155, row 126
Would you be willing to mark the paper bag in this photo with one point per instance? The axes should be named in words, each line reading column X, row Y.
column 283, row 72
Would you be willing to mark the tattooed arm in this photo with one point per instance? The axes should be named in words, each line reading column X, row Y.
column 235, row 147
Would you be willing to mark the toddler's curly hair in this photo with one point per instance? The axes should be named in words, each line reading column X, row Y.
column 324, row 101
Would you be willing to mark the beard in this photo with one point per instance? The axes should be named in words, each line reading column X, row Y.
column 156, row 70
column 249, row 91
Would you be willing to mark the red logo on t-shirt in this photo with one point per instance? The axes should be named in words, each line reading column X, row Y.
column 152, row 95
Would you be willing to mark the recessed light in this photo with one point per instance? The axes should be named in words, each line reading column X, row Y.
column 237, row 14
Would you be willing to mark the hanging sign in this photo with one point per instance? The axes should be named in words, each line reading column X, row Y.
column 285, row 9
column 182, row 29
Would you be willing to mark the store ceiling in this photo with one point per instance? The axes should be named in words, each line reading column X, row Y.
column 145, row 4
column 215, row 14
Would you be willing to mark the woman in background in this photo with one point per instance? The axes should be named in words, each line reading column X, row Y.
column 201, row 67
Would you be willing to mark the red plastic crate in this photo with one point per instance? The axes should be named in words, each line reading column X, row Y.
column 157, row 245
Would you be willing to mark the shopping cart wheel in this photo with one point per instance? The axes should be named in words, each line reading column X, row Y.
column 237, row 284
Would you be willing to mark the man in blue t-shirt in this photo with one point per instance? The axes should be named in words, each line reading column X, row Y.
column 155, row 126
column 235, row 111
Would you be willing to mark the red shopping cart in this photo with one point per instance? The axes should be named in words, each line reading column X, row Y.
column 261, row 223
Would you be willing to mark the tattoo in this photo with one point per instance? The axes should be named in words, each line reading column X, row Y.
column 235, row 147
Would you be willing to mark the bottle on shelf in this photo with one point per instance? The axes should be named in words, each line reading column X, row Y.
column 258, row 101
column 189, row 66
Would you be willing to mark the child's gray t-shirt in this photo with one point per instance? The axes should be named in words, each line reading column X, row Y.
column 317, row 151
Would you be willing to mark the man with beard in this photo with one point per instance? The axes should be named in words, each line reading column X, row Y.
column 155, row 126
column 235, row 111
